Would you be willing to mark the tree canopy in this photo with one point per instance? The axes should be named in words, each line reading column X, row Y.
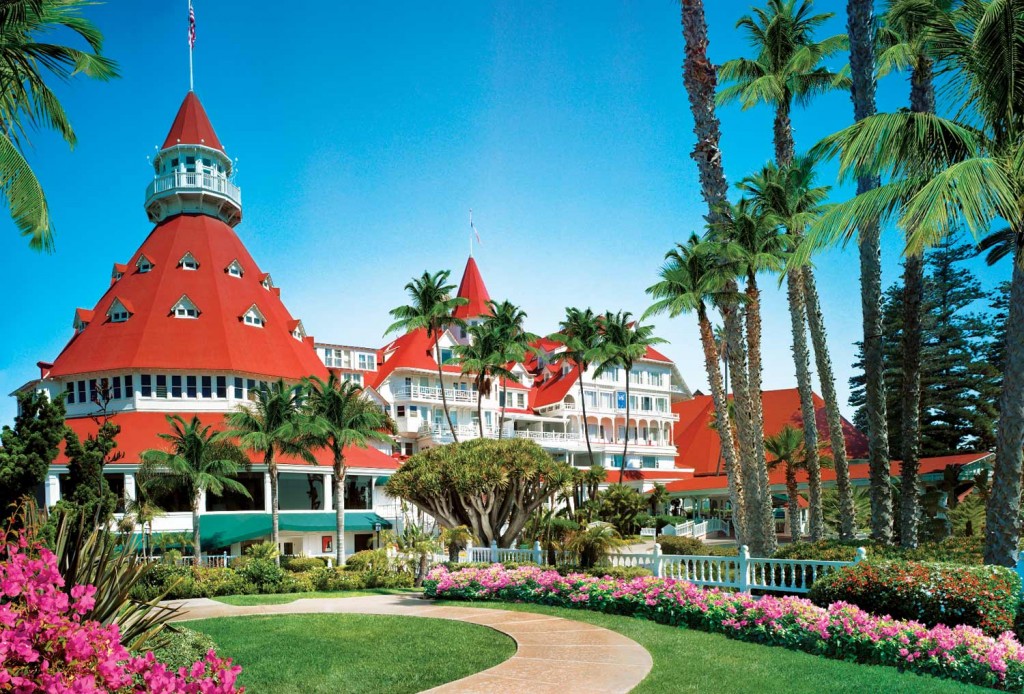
column 490, row 486
column 27, row 450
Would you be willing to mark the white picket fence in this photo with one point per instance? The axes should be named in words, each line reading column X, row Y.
column 742, row 572
column 699, row 528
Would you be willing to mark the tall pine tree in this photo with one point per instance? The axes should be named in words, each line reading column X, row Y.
column 959, row 380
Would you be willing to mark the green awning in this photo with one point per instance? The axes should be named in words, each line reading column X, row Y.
column 383, row 479
column 223, row 529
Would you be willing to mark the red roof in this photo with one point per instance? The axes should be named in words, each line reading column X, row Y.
column 216, row 341
column 556, row 387
column 655, row 355
column 139, row 433
column 472, row 288
column 414, row 350
column 696, row 437
column 648, row 475
column 191, row 126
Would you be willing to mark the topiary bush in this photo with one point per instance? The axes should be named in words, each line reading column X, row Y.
column 986, row 597
column 302, row 564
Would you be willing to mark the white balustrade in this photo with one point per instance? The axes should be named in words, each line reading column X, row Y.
column 178, row 180
column 433, row 393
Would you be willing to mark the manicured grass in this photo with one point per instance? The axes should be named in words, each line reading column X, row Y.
column 282, row 598
column 694, row 661
column 353, row 652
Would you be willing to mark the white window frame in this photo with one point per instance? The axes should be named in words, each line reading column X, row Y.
column 185, row 308
column 254, row 317
column 188, row 262
column 234, row 269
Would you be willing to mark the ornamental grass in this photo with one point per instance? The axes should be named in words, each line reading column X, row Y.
column 841, row 630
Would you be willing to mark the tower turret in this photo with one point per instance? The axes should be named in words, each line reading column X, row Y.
column 192, row 173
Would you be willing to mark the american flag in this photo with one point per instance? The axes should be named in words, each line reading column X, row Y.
column 191, row 27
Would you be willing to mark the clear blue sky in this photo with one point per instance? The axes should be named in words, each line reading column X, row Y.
column 364, row 132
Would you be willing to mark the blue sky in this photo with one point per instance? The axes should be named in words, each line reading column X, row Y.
column 365, row 131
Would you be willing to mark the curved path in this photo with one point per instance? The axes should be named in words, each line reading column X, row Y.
column 552, row 654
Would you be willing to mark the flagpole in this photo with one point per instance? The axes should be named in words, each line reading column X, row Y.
column 470, row 232
column 191, row 85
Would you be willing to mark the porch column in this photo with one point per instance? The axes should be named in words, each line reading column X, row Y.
column 267, row 501
column 328, row 491
column 129, row 486
column 52, row 490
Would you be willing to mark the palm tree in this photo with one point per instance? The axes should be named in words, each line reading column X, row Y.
column 623, row 343
column 581, row 337
column 27, row 103
column 455, row 539
column 594, row 542
column 787, row 449
column 483, row 358
column 788, row 196
column 657, row 497
column 788, row 69
column 274, row 423
column 431, row 309
column 692, row 278
column 142, row 510
column 700, row 80
column 513, row 340
column 861, row 29
column 345, row 418
column 906, row 39
column 943, row 172
column 760, row 246
column 200, row 461
column 722, row 345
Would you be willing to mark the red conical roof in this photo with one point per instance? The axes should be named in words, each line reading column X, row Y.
column 218, row 340
column 191, row 126
column 472, row 287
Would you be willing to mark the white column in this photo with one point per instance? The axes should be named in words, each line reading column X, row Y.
column 130, row 492
column 328, row 491
column 267, row 501
column 52, row 490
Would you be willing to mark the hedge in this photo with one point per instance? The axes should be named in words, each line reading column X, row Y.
column 957, row 550
column 986, row 597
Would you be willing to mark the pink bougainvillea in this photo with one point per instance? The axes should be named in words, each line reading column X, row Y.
column 47, row 644
column 841, row 630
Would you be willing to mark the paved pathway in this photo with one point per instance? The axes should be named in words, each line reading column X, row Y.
column 553, row 655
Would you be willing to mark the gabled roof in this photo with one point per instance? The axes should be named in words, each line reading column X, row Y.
column 555, row 388
column 472, row 288
column 83, row 316
column 414, row 350
column 220, row 341
column 192, row 126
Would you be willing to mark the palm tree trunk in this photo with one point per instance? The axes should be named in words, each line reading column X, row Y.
column 480, row 409
column 922, row 100
column 753, row 325
column 625, row 441
column 793, row 505
column 860, row 27
column 782, row 131
column 837, row 441
column 801, row 358
column 1002, row 517
column 444, row 398
column 583, row 406
column 275, row 527
column 504, row 402
column 725, row 432
column 196, row 544
column 339, row 509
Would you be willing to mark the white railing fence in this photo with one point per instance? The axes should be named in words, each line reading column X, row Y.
column 697, row 528
column 742, row 572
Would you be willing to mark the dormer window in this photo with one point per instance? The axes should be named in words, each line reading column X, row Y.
column 143, row 264
column 254, row 317
column 82, row 318
column 235, row 269
column 298, row 332
column 184, row 308
column 267, row 282
column 119, row 311
column 188, row 262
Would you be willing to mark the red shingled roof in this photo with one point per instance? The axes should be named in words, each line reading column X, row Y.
column 218, row 340
column 191, row 126
column 472, row 288
column 555, row 388
column 697, row 441
column 139, row 433
column 414, row 350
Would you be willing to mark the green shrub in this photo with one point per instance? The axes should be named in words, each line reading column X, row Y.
column 368, row 560
column 986, row 597
column 399, row 579
column 182, row 647
column 210, row 583
column 262, row 550
column 623, row 572
column 336, row 579
column 957, row 550
column 262, row 573
column 302, row 564
column 296, row 583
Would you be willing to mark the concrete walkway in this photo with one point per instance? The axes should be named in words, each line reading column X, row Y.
column 552, row 654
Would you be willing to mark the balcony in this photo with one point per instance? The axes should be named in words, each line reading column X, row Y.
column 433, row 394
column 193, row 191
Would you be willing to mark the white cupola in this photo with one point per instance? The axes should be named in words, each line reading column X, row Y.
column 191, row 172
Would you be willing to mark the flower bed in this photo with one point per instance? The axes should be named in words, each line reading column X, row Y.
column 47, row 646
column 840, row 631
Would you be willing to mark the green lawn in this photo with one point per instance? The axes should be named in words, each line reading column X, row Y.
column 695, row 661
column 352, row 652
column 282, row 598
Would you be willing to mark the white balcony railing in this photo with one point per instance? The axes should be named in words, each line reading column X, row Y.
column 433, row 394
column 192, row 180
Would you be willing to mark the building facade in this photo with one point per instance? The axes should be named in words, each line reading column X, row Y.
column 191, row 325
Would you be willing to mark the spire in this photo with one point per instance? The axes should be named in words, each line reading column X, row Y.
column 472, row 288
column 191, row 126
